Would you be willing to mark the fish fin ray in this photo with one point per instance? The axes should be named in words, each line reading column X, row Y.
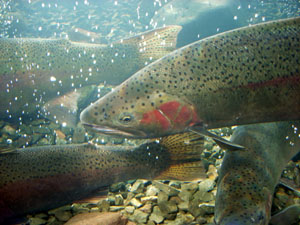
column 155, row 43
column 64, row 108
column 185, row 171
column 223, row 143
column 183, row 146
column 185, row 152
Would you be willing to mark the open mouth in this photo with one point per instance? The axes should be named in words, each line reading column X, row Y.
column 114, row 132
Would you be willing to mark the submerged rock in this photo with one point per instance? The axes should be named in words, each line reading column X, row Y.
column 138, row 186
column 156, row 215
column 129, row 209
column 206, row 185
column 136, row 203
column 170, row 191
column 168, row 207
column 103, row 206
column 37, row 221
column 139, row 216
column 152, row 190
column 104, row 218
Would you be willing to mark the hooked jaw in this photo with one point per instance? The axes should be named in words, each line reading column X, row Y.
column 115, row 132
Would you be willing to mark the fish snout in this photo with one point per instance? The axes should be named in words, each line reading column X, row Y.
column 86, row 117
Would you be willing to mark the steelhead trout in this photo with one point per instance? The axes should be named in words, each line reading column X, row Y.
column 39, row 178
column 33, row 71
column 248, row 75
column 247, row 178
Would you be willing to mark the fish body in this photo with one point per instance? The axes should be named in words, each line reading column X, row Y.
column 248, row 75
column 247, row 178
column 40, row 178
column 33, row 71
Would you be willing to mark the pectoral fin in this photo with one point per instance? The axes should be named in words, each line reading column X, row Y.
column 223, row 143
column 185, row 157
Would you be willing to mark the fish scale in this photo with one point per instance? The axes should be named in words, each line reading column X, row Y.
column 244, row 76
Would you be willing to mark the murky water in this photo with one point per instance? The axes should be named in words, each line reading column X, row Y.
column 57, row 57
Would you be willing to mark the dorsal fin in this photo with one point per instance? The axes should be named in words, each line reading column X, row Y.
column 155, row 43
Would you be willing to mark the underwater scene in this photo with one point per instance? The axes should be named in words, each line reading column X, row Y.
column 150, row 112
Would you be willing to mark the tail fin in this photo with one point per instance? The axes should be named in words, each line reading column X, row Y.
column 185, row 153
column 63, row 109
column 155, row 43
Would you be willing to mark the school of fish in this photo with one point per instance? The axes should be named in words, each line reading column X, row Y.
column 245, row 76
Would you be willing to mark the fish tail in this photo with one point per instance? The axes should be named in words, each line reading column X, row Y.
column 185, row 153
column 155, row 43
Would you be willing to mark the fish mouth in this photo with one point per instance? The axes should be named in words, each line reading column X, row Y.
column 114, row 132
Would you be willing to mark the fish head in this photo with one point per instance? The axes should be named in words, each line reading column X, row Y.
column 135, row 110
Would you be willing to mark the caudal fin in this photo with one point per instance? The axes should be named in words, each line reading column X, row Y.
column 156, row 43
column 185, row 154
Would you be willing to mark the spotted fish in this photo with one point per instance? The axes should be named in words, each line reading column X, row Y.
column 247, row 179
column 33, row 71
column 39, row 178
column 248, row 75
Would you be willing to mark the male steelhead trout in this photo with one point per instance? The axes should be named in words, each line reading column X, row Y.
column 247, row 178
column 40, row 178
column 33, row 71
column 248, row 75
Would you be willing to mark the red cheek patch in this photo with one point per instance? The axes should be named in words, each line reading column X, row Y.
column 155, row 117
column 162, row 120
column 170, row 109
column 184, row 116
column 171, row 115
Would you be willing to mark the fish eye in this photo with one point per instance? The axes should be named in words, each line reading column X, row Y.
column 126, row 118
